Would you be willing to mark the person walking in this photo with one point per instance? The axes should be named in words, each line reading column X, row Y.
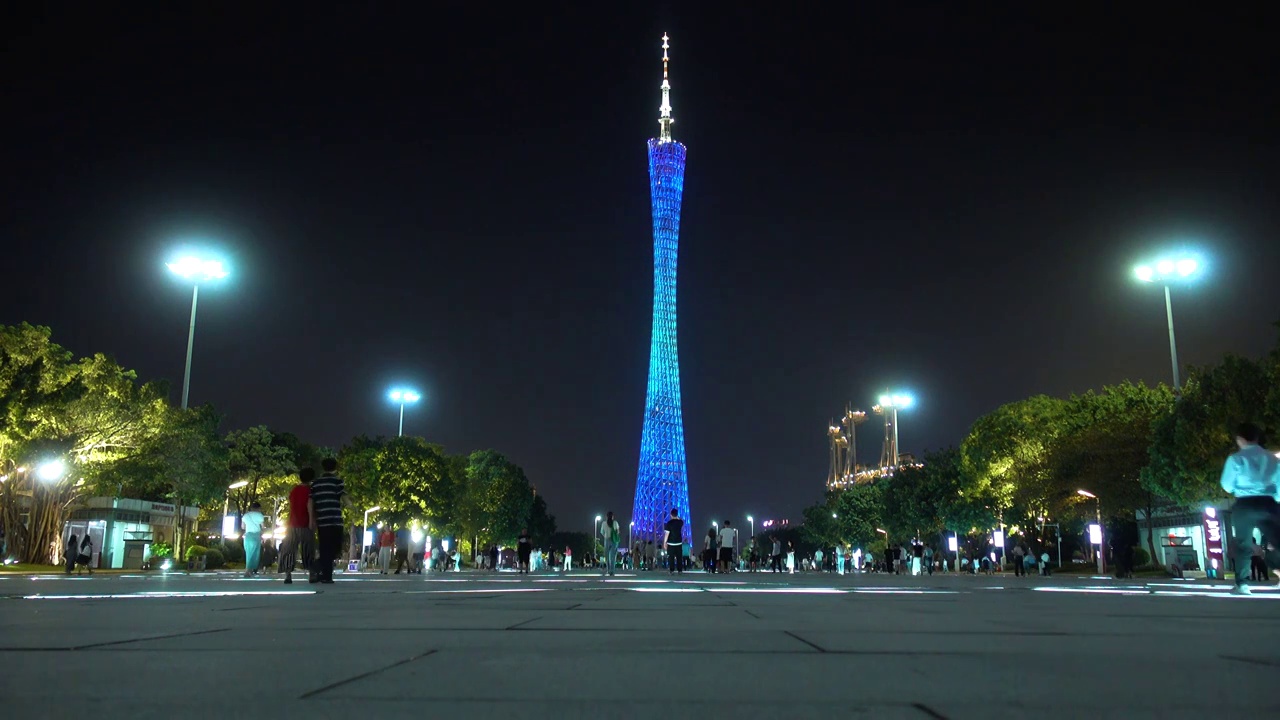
column 524, row 550
column 709, row 551
column 775, row 557
column 791, row 558
column 403, row 538
column 1252, row 475
column 817, row 559
column 69, row 553
column 1019, row 570
column 328, row 495
column 386, row 544
column 728, row 545
column 568, row 558
column 610, row 533
column 300, row 542
column 839, row 558
column 84, row 555
column 252, row 523
column 1258, row 563
column 928, row 558
column 673, row 542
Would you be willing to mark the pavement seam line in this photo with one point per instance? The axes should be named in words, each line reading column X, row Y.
column 145, row 639
column 361, row 676
column 806, row 642
column 524, row 622
column 928, row 711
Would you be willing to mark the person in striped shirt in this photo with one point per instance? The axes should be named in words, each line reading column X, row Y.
column 328, row 496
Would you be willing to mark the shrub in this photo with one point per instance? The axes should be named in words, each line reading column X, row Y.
column 195, row 551
column 161, row 550
column 213, row 559
column 232, row 551
column 1140, row 557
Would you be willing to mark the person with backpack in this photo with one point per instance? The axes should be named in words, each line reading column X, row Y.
column 84, row 556
column 610, row 532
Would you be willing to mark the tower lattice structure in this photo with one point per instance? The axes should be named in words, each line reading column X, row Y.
column 662, row 483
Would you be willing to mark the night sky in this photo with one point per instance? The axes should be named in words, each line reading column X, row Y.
column 933, row 200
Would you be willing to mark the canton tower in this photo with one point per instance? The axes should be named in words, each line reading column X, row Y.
column 661, row 483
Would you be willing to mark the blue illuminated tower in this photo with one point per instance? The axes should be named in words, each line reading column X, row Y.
column 661, row 483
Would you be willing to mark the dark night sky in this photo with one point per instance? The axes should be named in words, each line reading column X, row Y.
column 933, row 200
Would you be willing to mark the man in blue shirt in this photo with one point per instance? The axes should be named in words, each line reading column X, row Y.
column 1252, row 474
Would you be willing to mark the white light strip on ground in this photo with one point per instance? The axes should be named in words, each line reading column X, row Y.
column 1209, row 593
column 665, row 589
column 161, row 595
column 1094, row 591
column 906, row 592
column 477, row 590
column 782, row 591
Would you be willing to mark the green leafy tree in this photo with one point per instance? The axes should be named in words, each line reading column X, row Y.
column 358, row 466
column 1189, row 444
column 502, row 493
column 1103, row 448
column 415, row 481
column 542, row 525
column 256, row 459
column 860, row 514
column 1003, row 456
column 87, row 414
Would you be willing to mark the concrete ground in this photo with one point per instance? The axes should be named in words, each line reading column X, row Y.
column 478, row 645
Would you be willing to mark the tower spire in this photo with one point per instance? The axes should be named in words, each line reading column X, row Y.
column 664, row 117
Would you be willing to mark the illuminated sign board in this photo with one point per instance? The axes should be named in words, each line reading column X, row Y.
column 1213, row 544
column 1095, row 533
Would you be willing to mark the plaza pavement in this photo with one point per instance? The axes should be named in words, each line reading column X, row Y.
column 479, row 645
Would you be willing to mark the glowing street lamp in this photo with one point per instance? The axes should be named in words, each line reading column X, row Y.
column 890, row 404
column 194, row 270
column 753, row 525
column 52, row 470
column 229, row 522
column 366, row 537
column 631, row 531
column 404, row 397
column 1095, row 537
column 1168, row 270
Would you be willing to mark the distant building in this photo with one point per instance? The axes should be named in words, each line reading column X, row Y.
column 123, row 530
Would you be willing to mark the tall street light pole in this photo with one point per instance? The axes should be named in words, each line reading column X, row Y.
column 403, row 397
column 1101, row 537
column 364, row 530
column 753, row 528
column 195, row 270
column 1165, row 271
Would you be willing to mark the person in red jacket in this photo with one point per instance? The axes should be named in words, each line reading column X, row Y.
column 386, row 542
column 300, row 544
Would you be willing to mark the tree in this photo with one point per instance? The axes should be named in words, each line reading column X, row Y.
column 502, row 493
column 415, row 481
column 542, row 526
column 86, row 414
column 1190, row 443
column 184, row 463
column 1103, row 448
column 256, row 459
column 358, row 465
column 859, row 510
column 1002, row 459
